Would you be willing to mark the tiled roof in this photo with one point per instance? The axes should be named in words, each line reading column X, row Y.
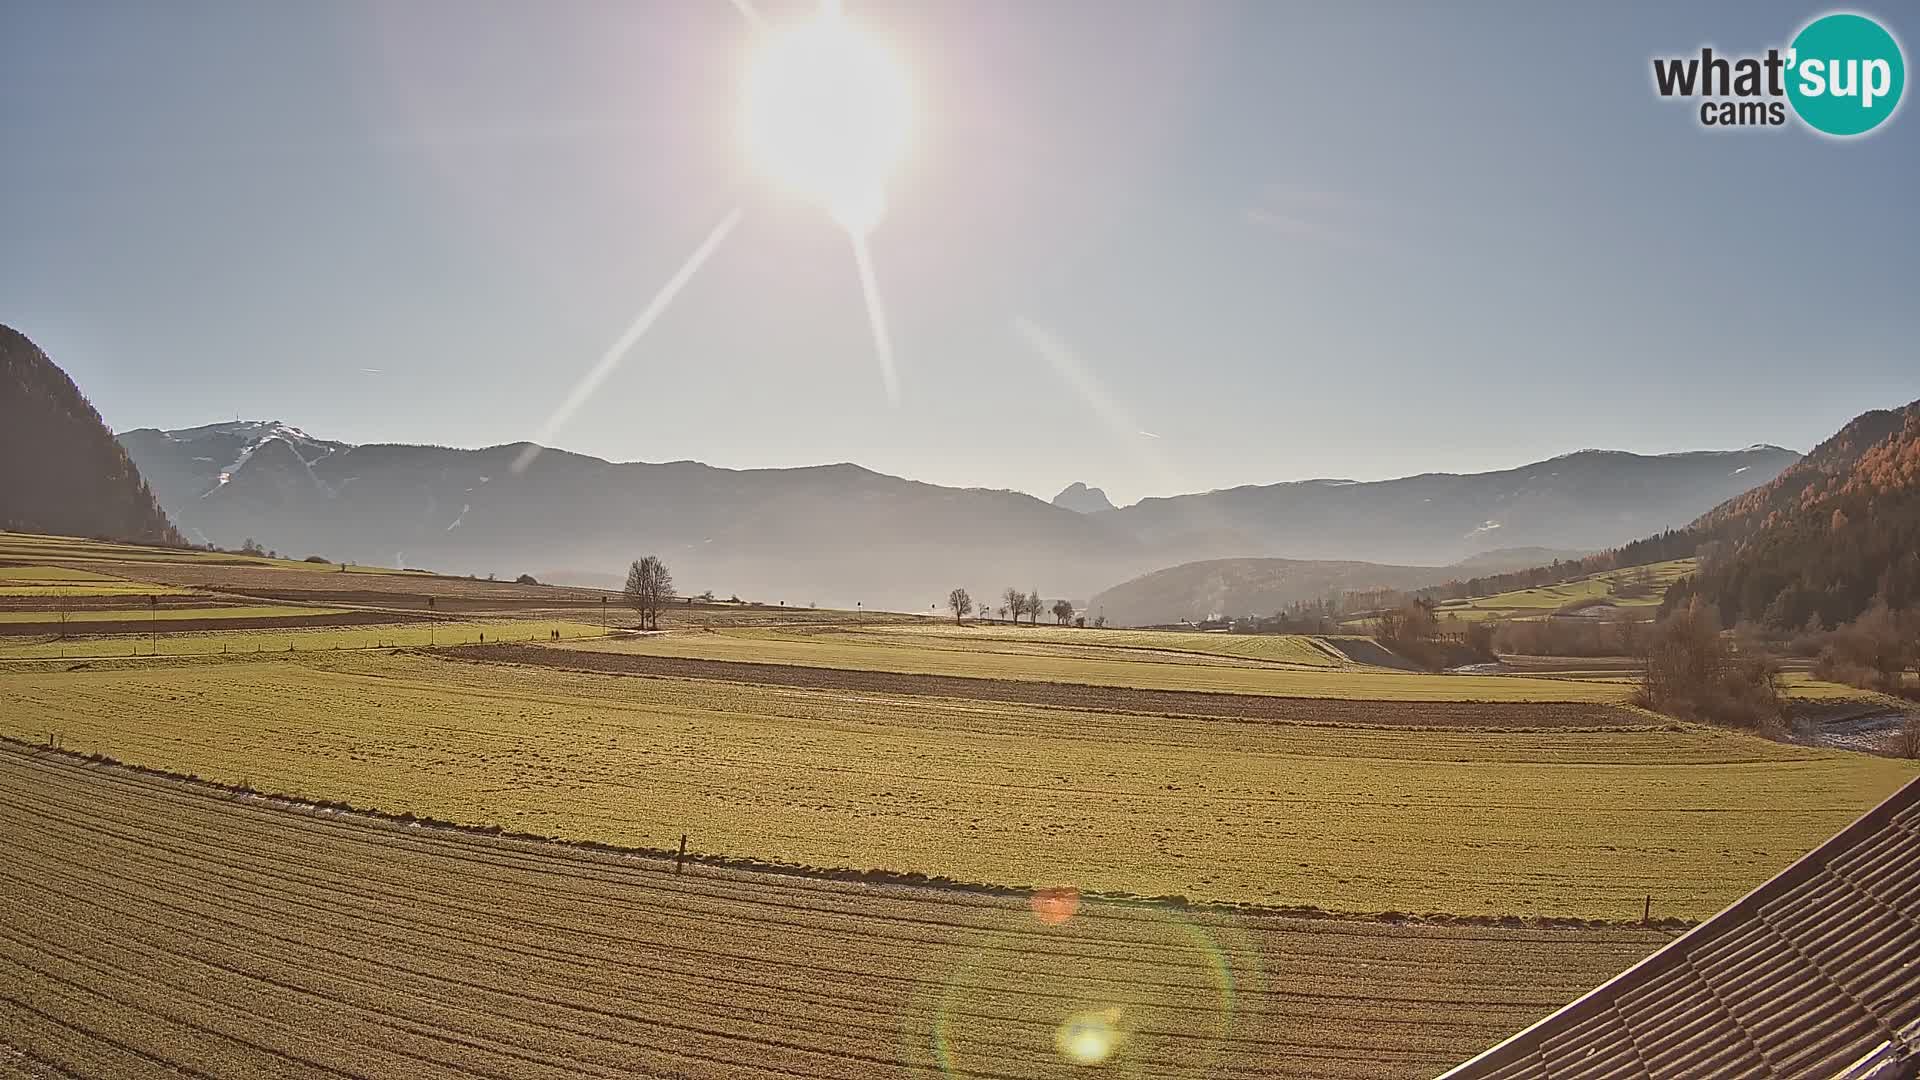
column 1814, row 974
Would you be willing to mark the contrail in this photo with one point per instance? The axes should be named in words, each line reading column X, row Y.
column 1083, row 382
column 744, row 7
column 611, row 358
column 876, row 315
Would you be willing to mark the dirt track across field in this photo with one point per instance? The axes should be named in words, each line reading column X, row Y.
column 1447, row 714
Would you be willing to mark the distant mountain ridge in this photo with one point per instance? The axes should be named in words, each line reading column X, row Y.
column 841, row 534
column 215, row 452
column 1589, row 499
column 60, row 469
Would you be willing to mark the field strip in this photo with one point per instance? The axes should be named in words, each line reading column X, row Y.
column 1104, row 646
column 1400, row 712
column 1481, row 823
column 354, row 631
column 1112, row 668
column 149, row 920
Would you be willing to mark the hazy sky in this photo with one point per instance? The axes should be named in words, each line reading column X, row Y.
column 1288, row 240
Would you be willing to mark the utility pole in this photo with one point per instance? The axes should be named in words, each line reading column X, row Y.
column 153, row 621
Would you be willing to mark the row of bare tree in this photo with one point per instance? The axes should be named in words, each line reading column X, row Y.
column 1013, row 603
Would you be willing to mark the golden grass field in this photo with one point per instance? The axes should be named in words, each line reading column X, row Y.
column 1289, row 649
column 1236, row 781
column 175, row 614
column 293, row 638
column 1565, row 823
column 1638, row 587
column 152, row 925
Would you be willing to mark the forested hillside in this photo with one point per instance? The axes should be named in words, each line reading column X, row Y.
column 60, row 469
column 1825, row 538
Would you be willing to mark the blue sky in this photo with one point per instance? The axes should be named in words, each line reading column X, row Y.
column 1286, row 240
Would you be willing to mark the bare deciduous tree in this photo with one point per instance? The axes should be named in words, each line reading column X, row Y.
column 1693, row 672
column 960, row 604
column 1063, row 612
column 1034, row 606
column 1014, row 601
column 1906, row 741
column 649, row 586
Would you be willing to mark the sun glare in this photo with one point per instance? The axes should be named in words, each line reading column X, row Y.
column 828, row 114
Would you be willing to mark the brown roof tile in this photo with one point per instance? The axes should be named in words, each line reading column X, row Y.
column 1814, row 974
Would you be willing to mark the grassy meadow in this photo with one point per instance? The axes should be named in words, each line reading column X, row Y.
column 1050, row 755
column 1575, row 823
column 1637, row 587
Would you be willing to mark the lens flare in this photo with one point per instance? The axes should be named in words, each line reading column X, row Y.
column 876, row 316
column 1136, row 992
column 1089, row 1038
column 584, row 389
column 1055, row 906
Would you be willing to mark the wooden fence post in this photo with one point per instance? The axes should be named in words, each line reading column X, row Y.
column 682, row 857
column 1647, row 915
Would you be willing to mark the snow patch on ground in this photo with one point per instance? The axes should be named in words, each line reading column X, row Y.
column 1864, row 733
column 226, row 474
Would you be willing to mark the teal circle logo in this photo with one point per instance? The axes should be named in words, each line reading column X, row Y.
column 1845, row 74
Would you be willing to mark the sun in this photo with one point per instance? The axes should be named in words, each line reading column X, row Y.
column 827, row 113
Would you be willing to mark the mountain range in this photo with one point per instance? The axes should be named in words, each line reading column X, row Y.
column 842, row 534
